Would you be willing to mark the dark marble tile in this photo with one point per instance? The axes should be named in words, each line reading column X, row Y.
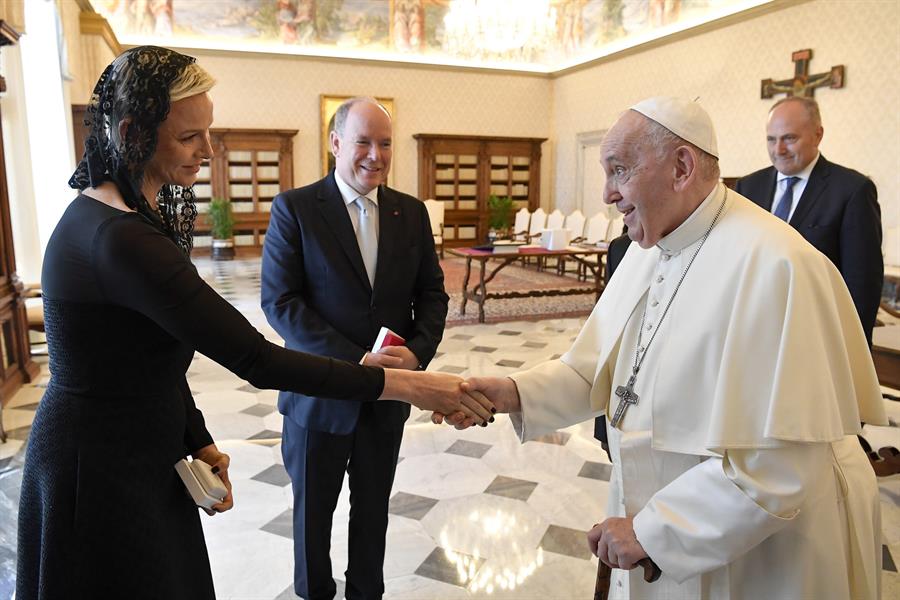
column 563, row 540
column 282, row 525
column 249, row 388
column 452, row 369
column 595, row 470
column 32, row 406
column 887, row 560
column 411, row 506
column 515, row 364
column 437, row 355
column 467, row 448
column 510, row 333
column 510, row 487
column 259, row 410
column 485, row 349
column 437, row 566
column 274, row 475
column 535, row 345
column 424, row 418
column 266, row 434
column 461, row 336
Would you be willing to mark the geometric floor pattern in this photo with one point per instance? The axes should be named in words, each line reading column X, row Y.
column 472, row 513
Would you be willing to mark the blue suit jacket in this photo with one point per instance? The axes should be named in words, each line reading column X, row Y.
column 317, row 296
column 838, row 213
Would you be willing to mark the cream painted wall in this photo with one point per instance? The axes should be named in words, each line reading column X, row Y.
column 724, row 68
column 283, row 92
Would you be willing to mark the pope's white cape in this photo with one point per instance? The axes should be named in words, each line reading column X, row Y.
column 762, row 349
column 763, row 345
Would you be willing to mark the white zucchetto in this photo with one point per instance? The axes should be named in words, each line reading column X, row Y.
column 684, row 118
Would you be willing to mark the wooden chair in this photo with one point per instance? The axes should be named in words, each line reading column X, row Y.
column 436, row 217
column 575, row 224
column 520, row 226
column 34, row 313
column 538, row 220
column 597, row 231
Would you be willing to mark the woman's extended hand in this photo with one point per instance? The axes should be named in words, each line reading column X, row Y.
column 437, row 392
column 219, row 461
column 500, row 392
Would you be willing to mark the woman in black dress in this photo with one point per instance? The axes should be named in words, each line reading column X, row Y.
column 103, row 513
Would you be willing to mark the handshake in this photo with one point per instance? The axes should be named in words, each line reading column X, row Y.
column 452, row 399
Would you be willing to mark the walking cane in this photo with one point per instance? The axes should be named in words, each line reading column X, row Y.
column 604, row 577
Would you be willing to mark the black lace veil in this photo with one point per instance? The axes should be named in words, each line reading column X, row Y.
column 136, row 85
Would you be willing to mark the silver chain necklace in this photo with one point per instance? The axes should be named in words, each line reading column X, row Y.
column 626, row 392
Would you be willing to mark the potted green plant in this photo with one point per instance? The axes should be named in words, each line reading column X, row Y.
column 500, row 213
column 221, row 221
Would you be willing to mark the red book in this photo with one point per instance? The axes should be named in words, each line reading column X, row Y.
column 385, row 338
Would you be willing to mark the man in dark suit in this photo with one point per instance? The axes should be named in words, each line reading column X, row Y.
column 342, row 258
column 833, row 207
column 614, row 255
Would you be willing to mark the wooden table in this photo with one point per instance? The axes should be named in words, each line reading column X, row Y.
column 886, row 355
column 479, row 293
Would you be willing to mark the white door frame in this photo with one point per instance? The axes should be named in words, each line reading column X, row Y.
column 584, row 140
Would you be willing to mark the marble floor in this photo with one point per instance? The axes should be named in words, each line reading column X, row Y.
column 472, row 513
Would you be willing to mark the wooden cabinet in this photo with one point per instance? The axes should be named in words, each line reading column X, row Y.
column 249, row 168
column 16, row 365
column 464, row 171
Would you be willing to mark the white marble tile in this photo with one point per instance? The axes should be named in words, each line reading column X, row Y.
column 248, row 564
column 413, row 587
column 542, row 458
column 584, row 505
column 442, row 476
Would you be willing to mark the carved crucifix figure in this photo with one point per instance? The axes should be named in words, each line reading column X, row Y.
column 803, row 84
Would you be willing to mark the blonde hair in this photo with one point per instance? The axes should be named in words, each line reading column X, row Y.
column 193, row 80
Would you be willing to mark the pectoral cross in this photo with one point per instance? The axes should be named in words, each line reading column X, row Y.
column 628, row 397
column 803, row 84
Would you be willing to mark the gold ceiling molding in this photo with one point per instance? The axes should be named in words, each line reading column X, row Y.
column 92, row 23
column 407, row 33
column 684, row 34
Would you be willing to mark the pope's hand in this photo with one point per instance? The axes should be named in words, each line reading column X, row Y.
column 500, row 391
column 614, row 542
column 437, row 392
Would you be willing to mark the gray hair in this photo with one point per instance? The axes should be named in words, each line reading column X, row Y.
column 340, row 116
column 663, row 141
column 810, row 104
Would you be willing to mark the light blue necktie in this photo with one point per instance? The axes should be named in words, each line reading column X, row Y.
column 783, row 210
column 367, row 236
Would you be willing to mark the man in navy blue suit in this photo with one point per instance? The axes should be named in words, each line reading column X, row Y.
column 833, row 207
column 343, row 257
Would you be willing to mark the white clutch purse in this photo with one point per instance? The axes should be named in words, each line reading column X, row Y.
column 204, row 486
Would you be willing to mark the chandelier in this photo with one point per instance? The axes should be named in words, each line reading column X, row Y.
column 521, row 30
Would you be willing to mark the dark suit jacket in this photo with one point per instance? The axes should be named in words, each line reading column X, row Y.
column 838, row 213
column 614, row 255
column 316, row 294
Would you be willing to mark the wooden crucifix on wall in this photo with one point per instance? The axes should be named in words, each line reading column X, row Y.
column 803, row 84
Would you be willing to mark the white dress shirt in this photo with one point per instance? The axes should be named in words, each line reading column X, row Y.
column 799, row 186
column 350, row 195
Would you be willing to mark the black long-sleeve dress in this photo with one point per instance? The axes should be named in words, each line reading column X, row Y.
column 103, row 513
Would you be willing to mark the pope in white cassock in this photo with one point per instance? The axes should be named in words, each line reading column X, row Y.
column 731, row 363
